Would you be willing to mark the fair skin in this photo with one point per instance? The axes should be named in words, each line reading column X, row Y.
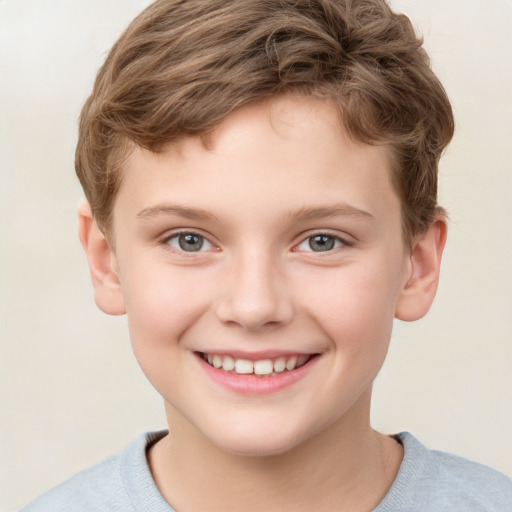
column 280, row 241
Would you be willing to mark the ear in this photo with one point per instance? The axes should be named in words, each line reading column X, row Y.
column 420, row 287
column 108, row 294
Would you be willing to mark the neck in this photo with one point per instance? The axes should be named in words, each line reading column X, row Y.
column 342, row 468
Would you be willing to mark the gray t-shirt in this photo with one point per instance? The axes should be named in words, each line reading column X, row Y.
column 428, row 481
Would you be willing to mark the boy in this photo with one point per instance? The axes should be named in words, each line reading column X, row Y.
column 261, row 186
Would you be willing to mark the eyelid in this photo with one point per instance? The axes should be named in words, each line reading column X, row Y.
column 346, row 241
column 164, row 241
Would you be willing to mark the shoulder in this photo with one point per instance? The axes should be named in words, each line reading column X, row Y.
column 433, row 480
column 96, row 489
column 121, row 483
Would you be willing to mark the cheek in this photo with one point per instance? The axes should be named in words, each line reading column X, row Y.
column 160, row 310
column 358, row 324
column 161, row 307
column 354, row 306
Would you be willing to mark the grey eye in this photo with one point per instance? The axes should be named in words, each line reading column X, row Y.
column 189, row 242
column 320, row 243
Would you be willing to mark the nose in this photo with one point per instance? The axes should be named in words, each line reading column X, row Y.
column 255, row 295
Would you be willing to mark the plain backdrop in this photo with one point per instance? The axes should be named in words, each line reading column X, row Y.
column 71, row 392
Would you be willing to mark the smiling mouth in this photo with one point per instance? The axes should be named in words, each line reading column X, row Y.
column 262, row 367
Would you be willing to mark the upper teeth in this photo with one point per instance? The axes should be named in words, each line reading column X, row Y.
column 260, row 367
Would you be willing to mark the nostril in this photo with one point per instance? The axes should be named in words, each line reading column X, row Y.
column 251, row 316
column 254, row 297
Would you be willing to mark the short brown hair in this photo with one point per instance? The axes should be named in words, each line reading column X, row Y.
column 184, row 65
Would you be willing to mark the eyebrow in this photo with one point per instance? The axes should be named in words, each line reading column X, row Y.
column 179, row 210
column 303, row 214
column 336, row 210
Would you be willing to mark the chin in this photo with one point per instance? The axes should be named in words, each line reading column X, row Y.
column 258, row 442
column 257, row 447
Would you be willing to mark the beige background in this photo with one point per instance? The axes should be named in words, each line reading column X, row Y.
column 71, row 393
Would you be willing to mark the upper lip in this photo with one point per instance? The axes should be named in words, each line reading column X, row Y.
column 256, row 356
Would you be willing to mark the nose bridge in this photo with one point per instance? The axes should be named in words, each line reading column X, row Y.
column 255, row 294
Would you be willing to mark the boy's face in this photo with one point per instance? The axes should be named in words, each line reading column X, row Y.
column 280, row 239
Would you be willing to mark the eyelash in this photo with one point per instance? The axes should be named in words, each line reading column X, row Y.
column 176, row 236
column 337, row 242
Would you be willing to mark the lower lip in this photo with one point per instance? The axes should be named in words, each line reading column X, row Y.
column 255, row 385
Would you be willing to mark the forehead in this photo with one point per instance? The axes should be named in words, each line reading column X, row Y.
column 288, row 153
column 289, row 117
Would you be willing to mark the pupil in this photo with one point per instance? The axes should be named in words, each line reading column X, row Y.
column 191, row 242
column 321, row 243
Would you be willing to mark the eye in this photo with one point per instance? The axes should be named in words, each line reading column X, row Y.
column 320, row 243
column 188, row 242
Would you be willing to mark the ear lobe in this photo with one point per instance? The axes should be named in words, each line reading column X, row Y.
column 108, row 294
column 420, row 288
